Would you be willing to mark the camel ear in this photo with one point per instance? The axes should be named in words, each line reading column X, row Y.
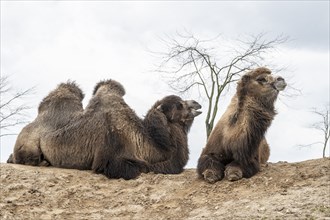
column 245, row 78
column 159, row 107
column 241, row 88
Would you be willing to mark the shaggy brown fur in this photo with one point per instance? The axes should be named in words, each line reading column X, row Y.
column 237, row 145
column 160, row 140
column 55, row 111
column 109, row 138
column 97, row 139
column 168, row 123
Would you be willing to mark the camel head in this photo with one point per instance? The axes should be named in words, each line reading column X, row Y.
column 180, row 111
column 261, row 85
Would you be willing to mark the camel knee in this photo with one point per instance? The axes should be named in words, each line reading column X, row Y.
column 27, row 156
column 117, row 168
column 240, row 169
column 210, row 168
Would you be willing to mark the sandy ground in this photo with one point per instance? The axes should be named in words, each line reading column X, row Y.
column 280, row 191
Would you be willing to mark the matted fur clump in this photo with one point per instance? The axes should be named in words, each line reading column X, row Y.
column 107, row 136
column 237, row 144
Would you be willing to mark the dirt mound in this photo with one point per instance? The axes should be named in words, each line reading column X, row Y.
column 280, row 191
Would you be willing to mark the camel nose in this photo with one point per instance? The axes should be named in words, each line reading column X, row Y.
column 193, row 104
column 279, row 83
column 279, row 78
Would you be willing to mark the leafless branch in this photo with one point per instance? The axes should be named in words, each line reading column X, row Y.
column 323, row 125
column 189, row 62
column 308, row 145
column 11, row 114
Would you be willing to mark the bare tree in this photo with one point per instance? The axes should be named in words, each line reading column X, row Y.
column 11, row 111
column 189, row 63
column 323, row 126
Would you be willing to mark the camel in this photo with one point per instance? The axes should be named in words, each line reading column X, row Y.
column 109, row 138
column 237, row 146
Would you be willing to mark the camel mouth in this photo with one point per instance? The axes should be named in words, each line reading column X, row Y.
column 195, row 112
column 278, row 87
column 275, row 89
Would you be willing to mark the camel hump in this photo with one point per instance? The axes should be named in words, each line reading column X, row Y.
column 72, row 88
column 63, row 92
column 109, row 86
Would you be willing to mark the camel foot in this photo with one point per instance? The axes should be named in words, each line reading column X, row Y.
column 211, row 176
column 233, row 173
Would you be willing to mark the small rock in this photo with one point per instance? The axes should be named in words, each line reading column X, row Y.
column 279, row 209
column 51, row 185
column 288, row 211
column 262, row 209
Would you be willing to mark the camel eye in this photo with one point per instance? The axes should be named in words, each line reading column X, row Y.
column 262, row 80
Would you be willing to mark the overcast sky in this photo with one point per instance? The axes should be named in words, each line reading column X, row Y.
column 44, row 43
